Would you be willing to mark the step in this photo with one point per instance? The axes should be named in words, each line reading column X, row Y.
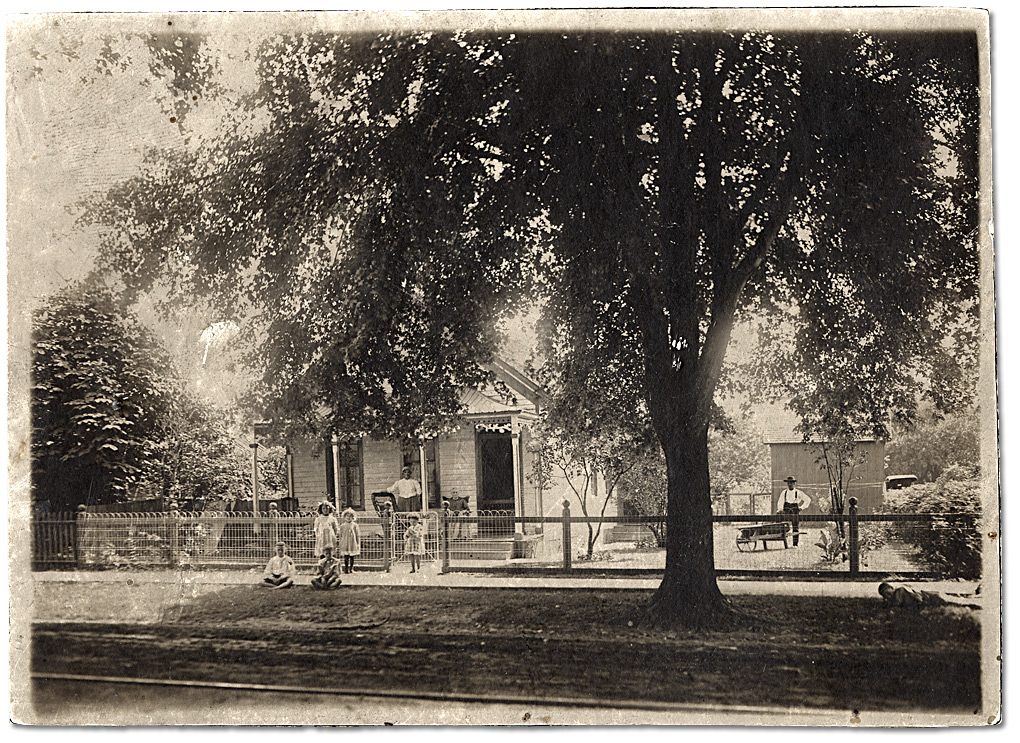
column 482, row 549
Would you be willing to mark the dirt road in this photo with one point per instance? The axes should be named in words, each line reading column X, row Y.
column 505, row 645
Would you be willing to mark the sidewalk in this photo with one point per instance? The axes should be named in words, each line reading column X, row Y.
column 429, row 576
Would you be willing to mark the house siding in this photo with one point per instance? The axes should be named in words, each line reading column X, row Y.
column 309, row 472
column 381, row 461
column 456, row 454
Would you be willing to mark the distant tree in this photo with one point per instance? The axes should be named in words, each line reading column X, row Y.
column 398, row 193
column 841, row 454
column 644, row 491
column 591, row 461
column 111, row 420
column 101, row 399
column 737, row 454
column 195, row 454
column 934, row 443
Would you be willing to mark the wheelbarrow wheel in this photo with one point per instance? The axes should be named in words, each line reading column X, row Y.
column 747, row 546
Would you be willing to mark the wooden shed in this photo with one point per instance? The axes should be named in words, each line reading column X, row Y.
column 792, row 456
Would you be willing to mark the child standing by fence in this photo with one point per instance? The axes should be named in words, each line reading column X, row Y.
column 328, row 576
column 349, row 539
column 414, row 543
column 325, row 529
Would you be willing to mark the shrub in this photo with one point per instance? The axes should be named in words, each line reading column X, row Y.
column 833, row 546
column 950, row 546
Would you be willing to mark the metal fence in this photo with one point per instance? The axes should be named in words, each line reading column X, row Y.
column 906, row 545
column 227, row 539
column 54, row 541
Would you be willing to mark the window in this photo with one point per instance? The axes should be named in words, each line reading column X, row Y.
column 348, row 474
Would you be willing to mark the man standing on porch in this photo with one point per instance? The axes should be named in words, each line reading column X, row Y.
column 408, row 492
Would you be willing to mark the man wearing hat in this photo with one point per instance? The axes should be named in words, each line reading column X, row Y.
column 791, row 502
column 408, row 492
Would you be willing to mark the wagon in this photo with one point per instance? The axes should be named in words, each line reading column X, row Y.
column 775, row 531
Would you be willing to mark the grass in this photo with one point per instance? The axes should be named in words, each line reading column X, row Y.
column 790, row 651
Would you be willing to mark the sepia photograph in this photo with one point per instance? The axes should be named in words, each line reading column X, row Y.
column 522, row 367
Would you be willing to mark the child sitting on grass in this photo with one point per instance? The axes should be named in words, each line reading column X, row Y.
column 279, row 572
column 328, row 576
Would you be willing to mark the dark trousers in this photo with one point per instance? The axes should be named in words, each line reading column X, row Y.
column 793, row 511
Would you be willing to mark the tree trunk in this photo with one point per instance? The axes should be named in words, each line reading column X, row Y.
column 689, row 595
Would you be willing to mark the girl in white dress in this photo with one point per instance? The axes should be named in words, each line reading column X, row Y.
column 414, row 543
column 349, row 539
column 325, row 528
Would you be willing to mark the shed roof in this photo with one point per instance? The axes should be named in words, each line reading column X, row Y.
column 781, row 428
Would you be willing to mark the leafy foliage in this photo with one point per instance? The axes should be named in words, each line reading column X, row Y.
column 951, row 546
column 644, row 491
column 737, row 455
column 101, row 398
column 110, row 418
column 382, row 199
column 594, row 427
column 933, row 444
column 833, row 544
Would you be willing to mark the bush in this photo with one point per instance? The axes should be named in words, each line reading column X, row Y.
column 833, row 546
column 952, row 547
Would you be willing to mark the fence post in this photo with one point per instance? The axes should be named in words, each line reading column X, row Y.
column 76, row 524
column 387, row 528
column 852, row 538
column 175, row 535
column 567, row 547
column 444, row 529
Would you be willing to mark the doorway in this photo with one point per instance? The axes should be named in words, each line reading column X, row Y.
column 496, row 479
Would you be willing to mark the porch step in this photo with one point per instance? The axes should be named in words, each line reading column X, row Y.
column 491, row 548
column 629, row 533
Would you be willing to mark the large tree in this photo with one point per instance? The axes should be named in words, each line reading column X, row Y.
column 101, row 399
column 381, row 199
column 111, row 418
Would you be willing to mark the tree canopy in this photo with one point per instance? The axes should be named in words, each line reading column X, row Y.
column 100, row 397
column 381, row 199
column 110, row 418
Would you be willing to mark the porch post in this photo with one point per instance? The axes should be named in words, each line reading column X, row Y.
column 336, row 473
column 290, row 472
column 424, row 477
column 515, row 440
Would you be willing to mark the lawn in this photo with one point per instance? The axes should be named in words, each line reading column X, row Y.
column 802, row 652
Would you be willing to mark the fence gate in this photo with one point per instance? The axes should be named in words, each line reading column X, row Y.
column 398, row 530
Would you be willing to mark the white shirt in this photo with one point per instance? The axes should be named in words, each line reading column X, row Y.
column 405, row 488
column 793, row 496
column 280, row 566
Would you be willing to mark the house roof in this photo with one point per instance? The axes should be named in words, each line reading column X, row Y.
column 488, row 401
column 517, row 380
column 479, row 403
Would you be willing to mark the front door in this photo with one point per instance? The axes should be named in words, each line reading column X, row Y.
column 496, row 477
